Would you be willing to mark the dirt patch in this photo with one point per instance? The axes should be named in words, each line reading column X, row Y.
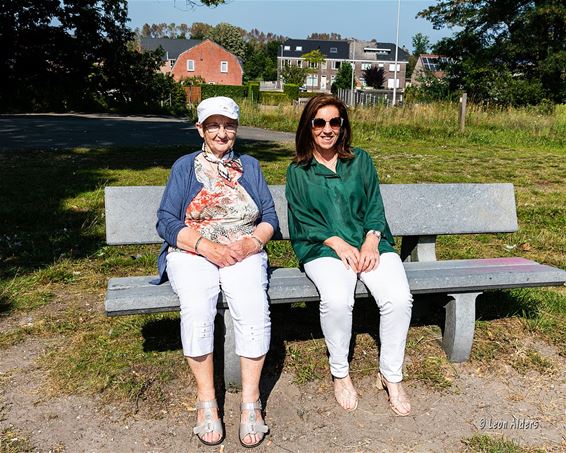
column 526, row 408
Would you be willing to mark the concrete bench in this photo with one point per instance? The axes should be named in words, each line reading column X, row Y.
column 417, row 212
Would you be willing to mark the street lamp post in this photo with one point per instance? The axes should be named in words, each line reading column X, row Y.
column 279, row 68
column 396, row 54
column 352, row 98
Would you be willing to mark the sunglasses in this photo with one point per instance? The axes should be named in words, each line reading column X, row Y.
column 320, row 123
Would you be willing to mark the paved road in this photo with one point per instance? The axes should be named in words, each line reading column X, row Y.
column 57, row 131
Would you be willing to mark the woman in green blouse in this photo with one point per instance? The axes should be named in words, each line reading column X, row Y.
column 339, row 233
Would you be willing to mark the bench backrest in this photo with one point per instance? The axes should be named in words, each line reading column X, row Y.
column 411, row 209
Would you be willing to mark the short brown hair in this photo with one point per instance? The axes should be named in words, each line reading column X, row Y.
column 304, row 142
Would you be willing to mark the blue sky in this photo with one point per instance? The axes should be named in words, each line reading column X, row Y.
column 367, row 19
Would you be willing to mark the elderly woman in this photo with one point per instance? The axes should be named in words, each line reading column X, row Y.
column 215, row 218
column 339, row 233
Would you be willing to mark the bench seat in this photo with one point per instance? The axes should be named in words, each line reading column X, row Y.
column 136, row 295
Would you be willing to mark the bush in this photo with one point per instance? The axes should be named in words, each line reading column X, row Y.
column 309, row 94
column 274, row 98
column 430, row 89
column 291, row 90
column 253, row 91
column 231, row 91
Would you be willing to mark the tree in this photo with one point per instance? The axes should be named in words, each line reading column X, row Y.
column 523, row 39
column 325, row 36
column 76, row 54
column 210, row 3
column 199, row 30
column 374, row 77
column 229, row 37
column 343, row 78
column 314, row 59
column 421, row 44
column 293, row 74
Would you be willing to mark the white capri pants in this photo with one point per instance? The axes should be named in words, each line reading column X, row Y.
column 197, row 282
column 388, row 285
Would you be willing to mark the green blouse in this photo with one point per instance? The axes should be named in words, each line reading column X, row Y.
column 322, row 204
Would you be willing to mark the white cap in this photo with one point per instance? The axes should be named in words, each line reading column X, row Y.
column 219, row 105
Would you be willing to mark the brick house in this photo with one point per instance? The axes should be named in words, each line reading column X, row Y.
column 335, row 53
column 360, row 54
column 366, row 54
column 428, row 64
column 192, row 57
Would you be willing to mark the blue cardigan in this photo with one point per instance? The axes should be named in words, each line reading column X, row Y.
column 183, row 186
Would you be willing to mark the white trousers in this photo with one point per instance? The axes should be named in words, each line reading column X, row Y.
column 197, row 282
column 388, row 285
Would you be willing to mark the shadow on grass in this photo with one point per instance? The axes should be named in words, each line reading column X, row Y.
column 5, row 304
column 300, row 322
column 51, row 202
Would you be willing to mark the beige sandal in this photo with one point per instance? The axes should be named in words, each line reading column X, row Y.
column 208, row 425
column 346, row 395
column 253, row 425
column 398, row 403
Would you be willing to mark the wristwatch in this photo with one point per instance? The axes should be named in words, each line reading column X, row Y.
column 375, row 232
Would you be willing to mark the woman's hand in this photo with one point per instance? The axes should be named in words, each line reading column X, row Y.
column 369, row 254
column 349, row 255
column 244, row 247
column 219, row 254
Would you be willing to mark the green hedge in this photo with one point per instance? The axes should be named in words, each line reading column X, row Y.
column 291, row 90
column 309, row 94
column 274, row 98
column 231, row 91
column 253, row 91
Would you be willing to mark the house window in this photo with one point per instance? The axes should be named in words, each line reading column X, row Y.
column 333, row 50
column 366, row 66
column 298, row 48
column 390, row 83
column 300, row 63
column 190, row 65
column 332, row 78
column 223, row 66
column 380, row 65
column 312, row 64
column 312, row 80
column 335, row 65
column 392, row 67
column 324, row 64
column 287, row 48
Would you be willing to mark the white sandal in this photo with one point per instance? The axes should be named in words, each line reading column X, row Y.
column 208, row 425
column 253, row 425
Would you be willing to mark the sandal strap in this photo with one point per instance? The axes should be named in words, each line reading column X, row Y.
column 211, row 404
column 259, row 427
column 253, row 425
column 256, row 405
column 208, row 425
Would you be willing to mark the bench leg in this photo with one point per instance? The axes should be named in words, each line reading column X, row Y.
column 418, row 248
column 232, row 376
column 459, row 326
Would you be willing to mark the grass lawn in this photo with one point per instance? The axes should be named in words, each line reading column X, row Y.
column 55, row 263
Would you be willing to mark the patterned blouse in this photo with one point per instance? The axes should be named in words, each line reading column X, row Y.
column 222, row 211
